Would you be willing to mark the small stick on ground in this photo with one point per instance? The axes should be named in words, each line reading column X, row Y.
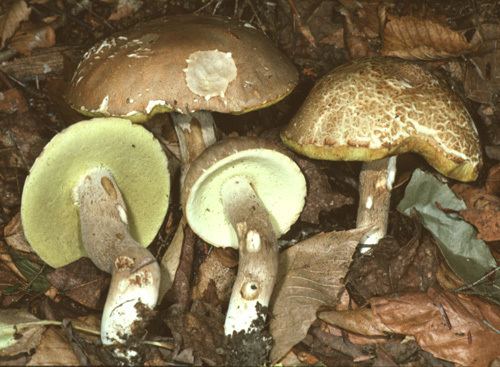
column 304, row 29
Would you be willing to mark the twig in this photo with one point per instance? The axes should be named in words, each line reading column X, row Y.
column 204, row 7
column 261, row 25
column 94, row 14
column 24, row 325
column 489, row 325
column 468, row 286
column 338, row 343
column 181, row 285
column 444, row 315
column 216, row 7
column 304, row 29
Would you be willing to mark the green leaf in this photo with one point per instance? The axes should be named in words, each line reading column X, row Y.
column 34, row 273
column 468, row 257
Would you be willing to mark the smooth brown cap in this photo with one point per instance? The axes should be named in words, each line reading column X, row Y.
column 181, row 63
column 373, row 108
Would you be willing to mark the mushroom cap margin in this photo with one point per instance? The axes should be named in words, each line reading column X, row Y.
column 274, row 176
column 373, row 108
column 141, row 71
column 133, row 156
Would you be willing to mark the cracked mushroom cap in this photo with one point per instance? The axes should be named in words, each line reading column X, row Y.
column 373, row 108
column 184, row 63
column 137, row 163
column 276, row 179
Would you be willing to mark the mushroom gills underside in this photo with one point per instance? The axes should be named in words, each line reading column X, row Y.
column 266, row 170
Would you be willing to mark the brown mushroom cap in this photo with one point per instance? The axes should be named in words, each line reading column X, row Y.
column 373, row 108
column 181, row 63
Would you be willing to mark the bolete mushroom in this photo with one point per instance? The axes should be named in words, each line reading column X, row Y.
column 373, row 109
column 100, row 189
column 187, row 64
column 245, row 193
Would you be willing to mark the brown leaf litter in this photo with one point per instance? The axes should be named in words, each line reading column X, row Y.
column 413, row 38
column 483, row 207
column 310, row 276
column 9, row 22
column 455, row 327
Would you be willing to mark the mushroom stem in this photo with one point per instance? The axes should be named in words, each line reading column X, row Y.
column 258, row 263
column 375, row 184
column 135, row 273
column 195, row 133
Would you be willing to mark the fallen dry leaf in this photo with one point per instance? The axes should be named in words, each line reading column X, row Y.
column 354, row 338
column 6, row 259
column 483, row 210
column 125, row 8
column 9, row 22
column 11, row 287
column 454, row 327
column 82, row 282
column 492, row 184
column 323, row 27
column 14, row 235
column 355, row 40
column 180, row 291
column 394, row 267
column 482, row 77
column 310, row 276
column 170, row 260
column 213, row 273
column 12, row 100
column 320, row 196
column 54, row 350
column 414, row 38
column 32, row 37
column 446, row 278
column 360, row 321
column 200, row 331
column 22, row 139
column 15, row 339
column 361, row 26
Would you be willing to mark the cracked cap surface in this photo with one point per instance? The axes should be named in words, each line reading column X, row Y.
column 373, row 108
column 181, row 63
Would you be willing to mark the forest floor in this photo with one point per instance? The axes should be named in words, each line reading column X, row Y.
column 418, row 299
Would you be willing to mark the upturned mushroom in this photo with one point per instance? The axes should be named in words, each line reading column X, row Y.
column 373, row 109
column 245, row 193
column 100, row 189
column 186, row 64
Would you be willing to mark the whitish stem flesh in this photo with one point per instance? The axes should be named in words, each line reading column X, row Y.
column 195, row 133
column 375, row 185
column 135, row 273
column 258, row 249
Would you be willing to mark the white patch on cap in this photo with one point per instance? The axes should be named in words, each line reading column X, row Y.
column 103, row 107
column 209, row 73
column 153, row 103
column 136, row 56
